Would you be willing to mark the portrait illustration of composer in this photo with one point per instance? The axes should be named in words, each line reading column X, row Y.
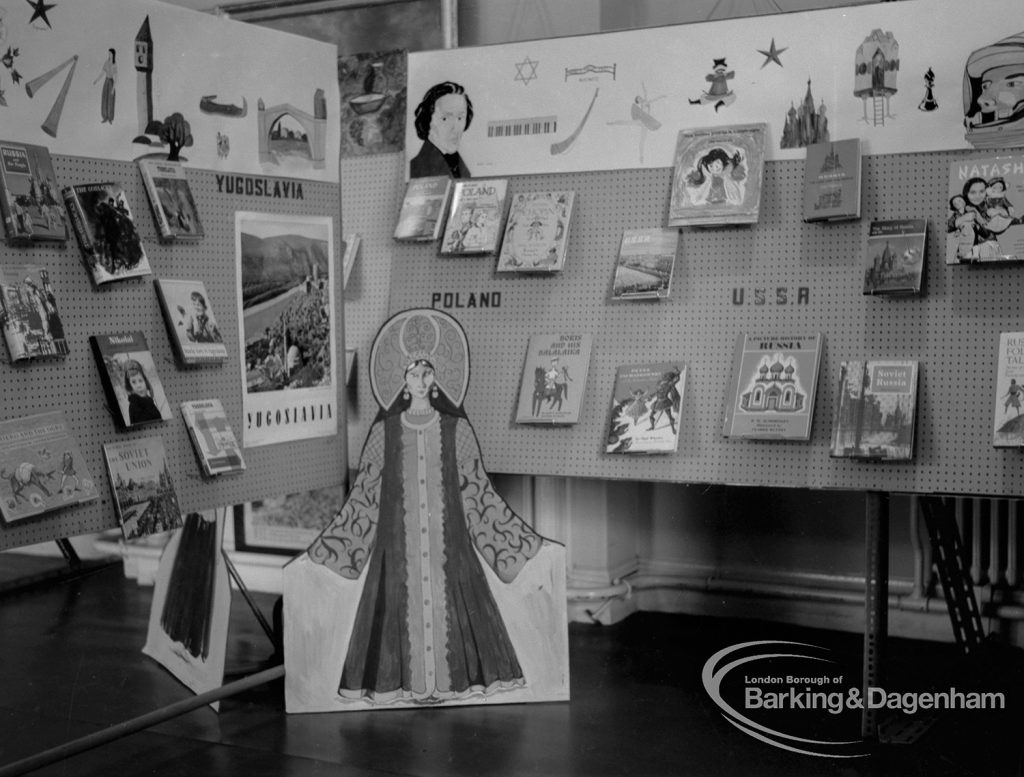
column 444, row 113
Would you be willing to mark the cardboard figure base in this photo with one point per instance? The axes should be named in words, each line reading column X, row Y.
column 426, row 589
column 188, row 619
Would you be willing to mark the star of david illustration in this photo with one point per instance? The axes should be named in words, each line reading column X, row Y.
column 526, row 71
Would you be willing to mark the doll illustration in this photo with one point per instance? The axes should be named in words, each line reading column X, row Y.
column 434, row 550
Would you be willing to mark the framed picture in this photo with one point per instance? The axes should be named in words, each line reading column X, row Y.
column 358, row 26
column 286, row 525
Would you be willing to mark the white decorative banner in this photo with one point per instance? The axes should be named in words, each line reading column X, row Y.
column 892, row 74
column 120, row 79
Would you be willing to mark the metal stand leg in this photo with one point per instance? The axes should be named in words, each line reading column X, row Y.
column 876, row 602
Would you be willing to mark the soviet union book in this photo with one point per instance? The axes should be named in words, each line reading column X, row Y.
column 774, row 382
column 144, row 497
column 876, row 410
column 832, row 180
column 554, row 376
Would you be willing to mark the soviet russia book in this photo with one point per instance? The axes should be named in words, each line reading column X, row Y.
column 29, row 196
column 144, row 497
column 41, row 467
column 644, row 265
column 424, row 206
column 476, row 217
column 645, row 408
column 985, row 210
column 832, row 180
column 31, row 322
column 212, row 438
column 1009, row 424
column 174, row 207
column 191, row 325
column 876, row 410
column 133, row 389
column 717, row 175
column 894, row 260
column 774, row 381
column 554, row 376
column 102, row 222
column 537, row 232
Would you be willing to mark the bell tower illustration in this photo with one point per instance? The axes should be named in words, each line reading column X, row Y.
column 144, row 80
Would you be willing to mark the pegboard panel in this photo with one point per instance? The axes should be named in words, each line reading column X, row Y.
column 74, row 382
column 728, row 280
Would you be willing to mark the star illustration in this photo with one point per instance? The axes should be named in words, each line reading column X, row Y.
column 39, row 9
column 772, row 55
column 526, row 71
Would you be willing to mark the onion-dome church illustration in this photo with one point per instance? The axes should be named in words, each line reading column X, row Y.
column 776, row 387
column 876, row 68
column 805, row 125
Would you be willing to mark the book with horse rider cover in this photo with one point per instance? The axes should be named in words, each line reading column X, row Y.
column 554, row 376
column 102, row 221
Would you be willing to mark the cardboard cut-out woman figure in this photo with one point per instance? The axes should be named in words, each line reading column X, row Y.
column 426, row 588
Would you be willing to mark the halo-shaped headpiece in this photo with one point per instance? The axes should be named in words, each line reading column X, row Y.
column 421, row 333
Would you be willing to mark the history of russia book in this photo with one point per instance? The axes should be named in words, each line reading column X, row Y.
column 476, row 217
column 424, row 207
column 102, row 222
column 31, row 322
column 774, row 382
column 133, row 389
column 985, row 210
column 144, row 497
column 645, row 263
column 41, row 467
column 554, row 376
column 1008, row 430
column 537, row 232
column 191, row 324
column 895, row 258
column 646, row 402
column 29, row 196
column 212, row 438
column 174, row 207
column 717, row 175
column 876, row 410
column 832, row 180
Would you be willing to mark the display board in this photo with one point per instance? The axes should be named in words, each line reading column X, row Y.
column 73, row 383
column 729, row 280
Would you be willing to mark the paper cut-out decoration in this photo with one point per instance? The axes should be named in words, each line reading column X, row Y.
column 286, row 131
column 39, row 10
column 718, row 94
column 52, row 120
column 188, row 619
column 771, row 55
column 806, row 125
column 994, row 94
column 108, row 93
column 566, row 143
column 640, row 115
column 876, row 68
column 426, row 589
column 928, row 102
column 148, row 126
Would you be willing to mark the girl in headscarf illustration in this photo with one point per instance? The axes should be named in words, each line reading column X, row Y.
column 718, row 178
column 426, row 534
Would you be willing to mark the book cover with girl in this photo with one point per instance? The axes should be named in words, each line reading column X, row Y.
column 133, row 388
column 985, row 210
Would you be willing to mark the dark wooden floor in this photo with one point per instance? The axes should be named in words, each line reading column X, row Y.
column 71, row 664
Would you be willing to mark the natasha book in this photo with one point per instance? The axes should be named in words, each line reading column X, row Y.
column 895, row 256
column 191, row 324
column 133, row 389
column 1008, row 431
column 774, row 382
column 140, row 481
column 31, row 322
column 214, row 441
column 424, row 207
column 645, row 409
column 537, row 232
column 554, row 376
column 644, row 265
column 717, row 174
column 102, row 222
column 41, row 467
column 174, row 207
column 30, row 200
column 985, row 210
column 476, row 217
column 876, row 410
column 832, row 180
